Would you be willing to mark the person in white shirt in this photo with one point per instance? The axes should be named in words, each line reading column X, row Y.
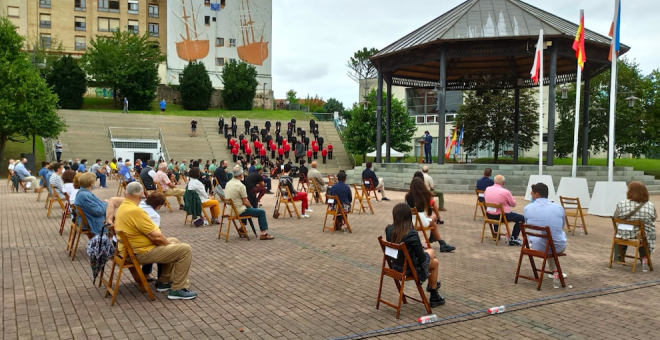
column 68, row 178
column 428, row 180
column 11, row 167
column 197, row 186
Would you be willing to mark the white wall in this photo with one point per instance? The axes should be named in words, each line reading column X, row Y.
column 129, row 153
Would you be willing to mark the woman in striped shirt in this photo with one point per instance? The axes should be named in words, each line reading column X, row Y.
column 56, row 179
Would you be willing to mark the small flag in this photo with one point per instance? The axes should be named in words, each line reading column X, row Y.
column 460, row 141
column 615, row 30
column 537, row 60
column 453, row 142
column 578, row 44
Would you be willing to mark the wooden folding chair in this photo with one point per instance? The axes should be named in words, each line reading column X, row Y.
column 54, row 197
column 332, row 180
column 545, row 254
column 419, row 226
column 11, row 173
column 334, row 209
column 125, row 260
column 159, row 188
column 192, row 218
column 77, row 229
column 390, row 252
column 359, row 198
column 43, row 180
column 66, row 212
column 313, row 189
column 122, row 185
column 20, row 183
column 636, row 243
column 232, row 217
column 490, row 209
column 287, row 198
column 302, row 182
column 369, row 188
column 572, row 208
column 480, row 194
column 144, row 188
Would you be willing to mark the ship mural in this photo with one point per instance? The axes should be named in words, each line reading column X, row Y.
column 248, row 25
column 192, row 46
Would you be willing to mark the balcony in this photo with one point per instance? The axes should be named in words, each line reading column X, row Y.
column 44, row 24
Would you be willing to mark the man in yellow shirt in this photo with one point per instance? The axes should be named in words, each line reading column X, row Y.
column 150, row 246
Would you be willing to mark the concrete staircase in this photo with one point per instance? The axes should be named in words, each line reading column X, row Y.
column 88, row 137
column 461, row 178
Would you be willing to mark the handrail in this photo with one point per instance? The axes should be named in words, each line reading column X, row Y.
column 162, row 140
column 112, row 145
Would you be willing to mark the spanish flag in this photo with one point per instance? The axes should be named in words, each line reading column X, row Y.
column 453, row 142
column 615, row 30
column 578, row 44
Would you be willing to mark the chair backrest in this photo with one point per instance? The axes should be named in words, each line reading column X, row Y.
column 540, row 232
column 358, row 190
column 480, row 194
column 332, row 199
column 391, row 252
column 285, row 193
column 228, row 202
column 121, row 237
column 417, row 221
column 83, row 218
column 490, row 209
column 159, row 188
column 570, row 202
column 311, row 184
column 620, row 224
column 368, row 184
column 332, row 179
column 56, row 196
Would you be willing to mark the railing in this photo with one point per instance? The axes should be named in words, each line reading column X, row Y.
column 134, row 133
column 164, row 146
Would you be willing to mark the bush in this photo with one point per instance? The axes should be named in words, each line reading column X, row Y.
column 141, row 91
column 196, row 87
column 69, row 82
column 240, row 85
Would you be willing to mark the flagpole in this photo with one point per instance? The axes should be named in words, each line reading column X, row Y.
column 613, row 85
column 542, row 47
column 577, row 110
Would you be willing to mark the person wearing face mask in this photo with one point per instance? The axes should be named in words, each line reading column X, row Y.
column 81, row 167
column 99, row 171
column 221, row 174
column 126, row 172
column 428, row 140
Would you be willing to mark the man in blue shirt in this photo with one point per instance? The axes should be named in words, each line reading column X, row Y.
column 44, row 173
column 25, row 176
column 544, row 213
column 162, row 106
column 81, row 167
column 485, row 182
column 428, row 140
column 377, row 182
column 126, row 172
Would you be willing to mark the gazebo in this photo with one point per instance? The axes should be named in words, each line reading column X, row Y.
column 488, row 44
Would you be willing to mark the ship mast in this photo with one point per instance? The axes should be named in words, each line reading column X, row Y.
column 251, row 22
column 185, row 19
column 244, row 34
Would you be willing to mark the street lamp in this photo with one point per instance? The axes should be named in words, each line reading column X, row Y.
column 564, row 92
column 631, row 101
column 264, row 98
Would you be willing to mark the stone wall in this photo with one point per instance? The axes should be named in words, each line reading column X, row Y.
column 172, row 95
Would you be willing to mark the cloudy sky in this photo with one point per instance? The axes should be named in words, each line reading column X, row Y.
column 313, row 39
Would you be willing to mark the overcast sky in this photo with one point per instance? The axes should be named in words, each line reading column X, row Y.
column 313, row 39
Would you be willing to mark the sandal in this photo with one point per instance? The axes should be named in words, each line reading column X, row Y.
column 266, row 237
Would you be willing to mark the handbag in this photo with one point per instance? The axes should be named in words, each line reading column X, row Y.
column 633, row 212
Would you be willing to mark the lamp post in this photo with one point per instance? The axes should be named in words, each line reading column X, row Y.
column 564, row 92
column 38, row 66
column 264, row 98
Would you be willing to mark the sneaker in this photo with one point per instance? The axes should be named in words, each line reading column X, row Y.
column 445, row 248
column 550, row 276
column 181, row 294
column 385, row 199
column 309, row 210
column 515, row 242
column 304, row 216
column 163, row 287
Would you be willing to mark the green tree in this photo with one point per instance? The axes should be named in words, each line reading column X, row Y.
column 292, row 97
column 489, row 118
column 45, row 54
column 126, row 62
column 69, row 82
column 27, row 106
column 333, row 105
column 240, row 85
column 196, row 87
column 360, row 134
column 359, row 65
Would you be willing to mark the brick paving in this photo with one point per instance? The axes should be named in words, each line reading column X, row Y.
column 310, row 285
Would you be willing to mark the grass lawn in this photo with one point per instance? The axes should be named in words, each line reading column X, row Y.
column 13, row 150
column 106, row 105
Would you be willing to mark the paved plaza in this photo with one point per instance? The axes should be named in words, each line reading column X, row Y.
column 312, row 285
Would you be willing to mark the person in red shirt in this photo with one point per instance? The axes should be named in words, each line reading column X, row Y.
column 315, row 147
column 309, row 156
column 262, row 153
column 330, row 150
column 248, row 153
column 314, row 142
column 234, row 152
column 287, row 148
column 280, row 152
column 324, row 153
column 284, row 142
column 273, row 149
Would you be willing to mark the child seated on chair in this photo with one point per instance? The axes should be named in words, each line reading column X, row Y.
column 426, row 266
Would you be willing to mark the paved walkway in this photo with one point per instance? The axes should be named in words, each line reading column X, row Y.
column 312, row 285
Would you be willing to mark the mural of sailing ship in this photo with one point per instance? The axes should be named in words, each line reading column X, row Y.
column 191, row 47
column 251, row 50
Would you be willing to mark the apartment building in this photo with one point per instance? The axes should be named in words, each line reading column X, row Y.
column 73, row 23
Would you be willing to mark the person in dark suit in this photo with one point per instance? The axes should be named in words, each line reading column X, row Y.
column 221, row 173
column 293, row 123
column 221, row 124
column 278, row 125
column 289, row 133
column 320, row 140
column 263, row 133
column 267, row 125
column 312, row 124
column 428, row 140
column 485, row 182
column 306, row 139
column 377, row 182
column 234, row 128
column 247, row 126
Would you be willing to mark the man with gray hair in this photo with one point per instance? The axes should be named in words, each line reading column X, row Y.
column 235, row 191
column 496, row 194
column 428, row 180
column 169, row 188
column 151, row 246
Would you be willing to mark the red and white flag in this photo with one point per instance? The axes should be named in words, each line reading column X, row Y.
column 537, row 59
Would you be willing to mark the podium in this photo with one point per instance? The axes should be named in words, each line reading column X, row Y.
column 421, row 151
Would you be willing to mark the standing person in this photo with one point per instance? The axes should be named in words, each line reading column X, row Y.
column 234, row 127
column 428, row 140
column 293, row 124
column 320, row 140
column 315, row 147
column 163, row 104
column 58, row 150
column 309, row 156
column 300, row 151
column 312, row 124
column 125, row 110
column 286, row 180
column 278, row 126
column 267, row 125
column 377, row 182
column 247, row 126
column 324, row 153
column 99, row 171
column 193, row 128
column 330, row 148
column 221, row 124
column 497, row 194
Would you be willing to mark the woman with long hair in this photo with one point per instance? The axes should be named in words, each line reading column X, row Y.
column 420, row 197
column 426, row 266
column 636, row 207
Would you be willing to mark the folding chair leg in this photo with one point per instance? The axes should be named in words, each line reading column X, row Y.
column 116, row 289
column 584, row 224
column 558, row 266
column 636, row 257
column 75, row 247
column 402, row 297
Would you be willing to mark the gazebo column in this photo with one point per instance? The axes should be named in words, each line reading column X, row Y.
column 379, row 118
column 389, row 121
column 516, row 126
column 585, row 119
column 551, row 105
column 442, row 104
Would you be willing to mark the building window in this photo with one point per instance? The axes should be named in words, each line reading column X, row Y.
column 207, row 2
column 222, row 4
column 214, row 19
column 219, row 42
column 232, row 60
column 81, row 24
column 80, row 5
column 219, row 61
column 132, row 7
column 420, row 119
column 180, row 77
column 431, row 119
column 232, row 42
column 450, row 117
column 114, row 6
column 44, row 20
column 153, row 11
column 108, row 25
column 103, row 5
column 207, row 20
column 45, row 41
column 44, row 3
column 81, row 43
column 133, row 26
column 13, row 12
column 153, row 30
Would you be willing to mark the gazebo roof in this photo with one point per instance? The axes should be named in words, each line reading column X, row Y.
column 495, row 38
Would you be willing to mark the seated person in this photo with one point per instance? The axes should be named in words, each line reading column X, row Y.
column 255, row 186
column 287, row 181
column 94, row 209
column 428, row 180
column 435, row 202
column 316, row 176
column 24, row 175
column 636, row 207
column 220, row 174
column 55, row 179
column 377, row 182
column 99, row 170
column 426, row 266
column 419, row 197
column 237, row 192
column 147, row 175
column 71, row 184
column 544, row 213
column 497, row 194
column 169, row 188
column 151, row 206
column 345, row 196
column 125, row 172
column 150, row 246
column 198, row 187
column 485, row 182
